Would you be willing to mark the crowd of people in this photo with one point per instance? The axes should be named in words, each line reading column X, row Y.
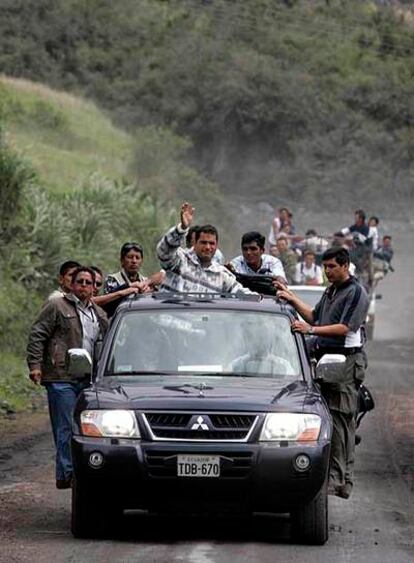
column 76, row 314
column 371, row 254
column 288, row 257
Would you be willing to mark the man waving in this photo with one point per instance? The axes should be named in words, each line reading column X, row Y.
column 193, row 270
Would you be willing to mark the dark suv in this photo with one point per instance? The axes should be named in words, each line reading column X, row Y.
column 201, row 403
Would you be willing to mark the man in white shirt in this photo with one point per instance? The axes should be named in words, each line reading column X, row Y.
column 254, row 261
column 308, row 272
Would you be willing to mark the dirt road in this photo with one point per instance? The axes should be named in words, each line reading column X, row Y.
column 376, row 525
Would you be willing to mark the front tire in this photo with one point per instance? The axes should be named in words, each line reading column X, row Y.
column 91, row 516
column 309, row 524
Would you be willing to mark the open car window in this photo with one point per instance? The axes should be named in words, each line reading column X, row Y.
column 204, row 342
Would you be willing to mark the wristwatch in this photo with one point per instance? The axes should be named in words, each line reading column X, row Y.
column 310, row 330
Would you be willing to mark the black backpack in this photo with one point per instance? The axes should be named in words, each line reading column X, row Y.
column 366, row 403
column 260, row 283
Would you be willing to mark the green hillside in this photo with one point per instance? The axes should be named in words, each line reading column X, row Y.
column 282, row 100
column 63, row 169
column 65, row 138
column 73, row 186
column 51, row 143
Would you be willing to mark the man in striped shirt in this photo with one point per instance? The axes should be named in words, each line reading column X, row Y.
column 193, row 270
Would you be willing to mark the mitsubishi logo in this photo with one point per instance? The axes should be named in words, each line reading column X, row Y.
column 199, row 424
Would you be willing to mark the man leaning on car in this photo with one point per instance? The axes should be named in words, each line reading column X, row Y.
column 336, row 324
column 71, row 321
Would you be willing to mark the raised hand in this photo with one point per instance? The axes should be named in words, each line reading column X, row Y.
column 187, row 215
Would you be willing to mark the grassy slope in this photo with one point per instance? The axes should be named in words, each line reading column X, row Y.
column 65, row 138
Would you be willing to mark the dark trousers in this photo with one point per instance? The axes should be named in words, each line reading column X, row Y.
column 341, row 470
column 62, row 398
column 341, row 399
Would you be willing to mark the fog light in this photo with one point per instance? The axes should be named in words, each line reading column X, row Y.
column 302, row 462
column 96, row 459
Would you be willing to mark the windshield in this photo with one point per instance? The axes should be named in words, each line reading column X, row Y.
column 204, row 342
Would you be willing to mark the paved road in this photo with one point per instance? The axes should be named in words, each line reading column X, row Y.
column 376, row 525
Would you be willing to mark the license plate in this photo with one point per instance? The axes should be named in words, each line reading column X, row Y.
column 198, row 466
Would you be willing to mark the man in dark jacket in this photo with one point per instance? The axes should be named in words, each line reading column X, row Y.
column 70, row 321
column 360, row 225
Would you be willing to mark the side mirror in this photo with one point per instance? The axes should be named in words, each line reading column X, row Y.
column 330, row 368
column 79, row 363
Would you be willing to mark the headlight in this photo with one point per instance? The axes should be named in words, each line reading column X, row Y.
column 291, row 427
column 109, row 423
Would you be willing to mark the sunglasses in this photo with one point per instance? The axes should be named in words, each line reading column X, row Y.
column 83, row 281
column 98, row 284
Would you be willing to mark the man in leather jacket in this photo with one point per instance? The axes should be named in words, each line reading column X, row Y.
column 70, row 321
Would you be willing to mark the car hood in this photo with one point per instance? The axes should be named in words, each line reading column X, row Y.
column 197, row 392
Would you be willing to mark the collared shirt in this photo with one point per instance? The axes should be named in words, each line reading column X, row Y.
column 120, row 280
column 345, row 304
column 186, row 274
column 303, row 274
column 89, row 322
column 274, row 231
column 269, row 266
column 374, row 236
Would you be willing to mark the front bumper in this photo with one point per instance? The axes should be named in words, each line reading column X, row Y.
column 256, row 477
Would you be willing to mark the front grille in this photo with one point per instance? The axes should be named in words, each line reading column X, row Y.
column 161, row 419
column 199, row 426
column 232, row 464
column 232, row 420
column 183, row 434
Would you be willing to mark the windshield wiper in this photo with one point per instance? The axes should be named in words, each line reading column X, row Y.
column 194, row 374
column 152, row 372
column 222, row 373
column 246, row 374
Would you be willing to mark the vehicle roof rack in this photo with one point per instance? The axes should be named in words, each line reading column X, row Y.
column 206, row 296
